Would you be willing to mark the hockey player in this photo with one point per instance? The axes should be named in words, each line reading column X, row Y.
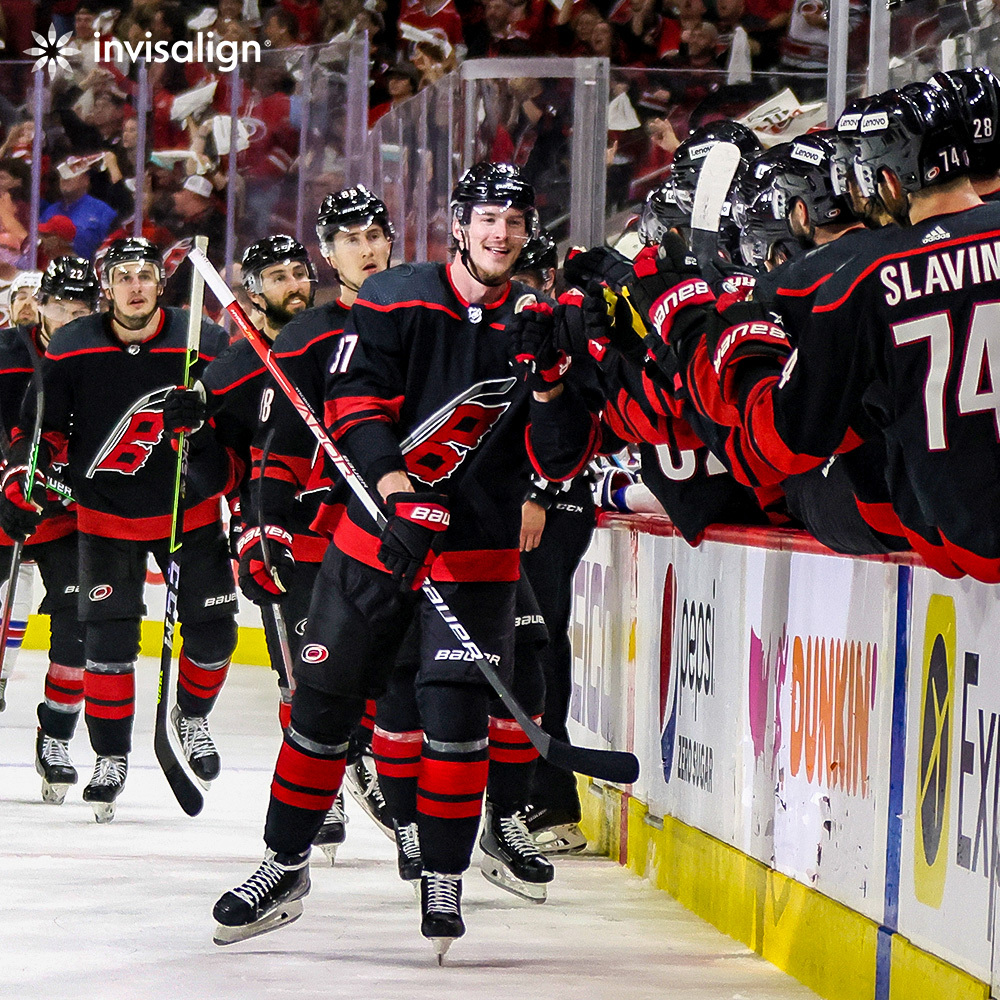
column 538, row 263
column 22, row 300
column 905, row 328
column 105, row 380
column 427, row 406
column 356, row 238
column 67, row 290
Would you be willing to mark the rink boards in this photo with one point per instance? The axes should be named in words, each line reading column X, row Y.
column 820, row 748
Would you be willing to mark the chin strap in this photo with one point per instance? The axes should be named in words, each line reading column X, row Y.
column 463, row 254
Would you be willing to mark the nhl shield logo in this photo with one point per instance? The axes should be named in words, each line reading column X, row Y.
column 475, row 314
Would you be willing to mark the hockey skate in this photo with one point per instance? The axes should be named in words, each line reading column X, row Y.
column 197, row 745
column 408, row 853
column 555, row 831
column 361, row 780
column 54, row 767
column 332, row 833
column 441, row 909
column 269, row 899
column 105, row 786
column 510, row 859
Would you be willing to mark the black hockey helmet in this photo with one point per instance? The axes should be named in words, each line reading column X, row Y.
column 353, row 206
column 919, row 133
column 70, row 278
column 127, row 250
column 977, row 91
column 690, row 155
column 804, row 171
column 755, row 207
column 539, row 254
column 499, row 184
column 270, row 251
column 660, row 214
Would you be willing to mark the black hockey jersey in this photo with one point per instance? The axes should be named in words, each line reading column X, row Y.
column 19, row 354
column 104, row 404
column 905, row 338
column 296, row 479
column 424, row 383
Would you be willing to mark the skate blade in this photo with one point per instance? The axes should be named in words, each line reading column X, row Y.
column 493, row 871
column 287, row 913
column 566, row 839
column 441, row 946
column 330, row 851
column 104, row 812
column 54, row 794
column 357, row 793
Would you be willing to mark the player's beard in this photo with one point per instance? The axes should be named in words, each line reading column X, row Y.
column 135, row 322
column 279, row 315
column 492, row 278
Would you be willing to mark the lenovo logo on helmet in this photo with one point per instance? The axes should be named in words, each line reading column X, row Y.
column 849, row 123
column 701, row 150
column 877, row 122
column 806, row 154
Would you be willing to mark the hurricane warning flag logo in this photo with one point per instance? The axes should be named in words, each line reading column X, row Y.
column 52, row 51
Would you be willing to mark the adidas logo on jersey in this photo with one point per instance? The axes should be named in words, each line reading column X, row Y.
column 937, row 233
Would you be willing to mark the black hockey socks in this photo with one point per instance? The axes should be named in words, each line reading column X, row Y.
column 512, row 765
column 59, row 712
column 199, row 684
column 109, row 694
column 397, row 761
column 306, row 780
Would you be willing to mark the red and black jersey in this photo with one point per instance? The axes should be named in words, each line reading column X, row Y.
column 104, row 405
column 19, row 355
column 295, row 478
column 691, row 484
column 423, row 383
column 233, row 385
column 904, row 338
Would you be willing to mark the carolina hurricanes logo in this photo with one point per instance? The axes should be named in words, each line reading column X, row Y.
column 441, row 443
column 101, row 592
column 128, row 447
column 314, row 653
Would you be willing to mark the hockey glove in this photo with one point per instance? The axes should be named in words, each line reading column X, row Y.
column 21, row 514
column 534, row 353
column 743, row 333
column 256, row 582
column 416, row 524
column 601, row 264
column 185, row 409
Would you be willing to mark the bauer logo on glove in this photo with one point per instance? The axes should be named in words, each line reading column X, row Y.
column 757, row 332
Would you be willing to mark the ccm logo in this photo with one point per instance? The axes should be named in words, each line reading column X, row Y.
column 101, row 592
column 432, row 515
column 211, row 602
column 314, row 653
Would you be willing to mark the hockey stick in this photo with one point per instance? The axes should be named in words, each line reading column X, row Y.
column 183, row 786
column 29, row 482
column 277, row 616
column 714, row 181
column 609, row 765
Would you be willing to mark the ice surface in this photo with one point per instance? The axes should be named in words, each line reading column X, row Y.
column 123, row 911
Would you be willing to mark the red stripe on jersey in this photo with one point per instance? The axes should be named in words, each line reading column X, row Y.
column 803, row 292
column 981, row 567
column 198, row 681
column 935, row 556
column 315, row 340
column 144, row 529
column 763, row 436
column 16, row 371
column 51, row 528
column 312, row 801
column 453, row 778
column 309, row 548
column 238, row 382
column 930, row 248
column 456, row 809
column 461, row 298
column 408, row 304
column 880, row 517
column 109, row 696
column 588, row 453
column 320, row 775
column 84, row 350
column 346, row 411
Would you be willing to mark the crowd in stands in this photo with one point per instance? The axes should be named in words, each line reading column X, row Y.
column 669, row 74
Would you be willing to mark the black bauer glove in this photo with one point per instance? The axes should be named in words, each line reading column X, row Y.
column 21, row 514
column 541, row 363
column 743, row 333
column 417, row 521
column 260, row 586
column 603, row 265
column 185, row 409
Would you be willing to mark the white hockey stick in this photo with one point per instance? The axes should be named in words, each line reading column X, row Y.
column 714, row 182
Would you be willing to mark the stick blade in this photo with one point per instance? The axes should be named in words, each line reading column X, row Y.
column 714, row 182
column 189, row 798
column 618, row 766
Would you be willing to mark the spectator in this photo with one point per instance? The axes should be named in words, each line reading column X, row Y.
column 56, row 238
column 426, row 15
column 307, row 17
column 91, row 217
column 433, row 61
column 281, row 29
column 15, row 184
column 401, row 80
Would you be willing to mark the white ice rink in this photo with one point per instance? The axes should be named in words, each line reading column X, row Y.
column 123, row 911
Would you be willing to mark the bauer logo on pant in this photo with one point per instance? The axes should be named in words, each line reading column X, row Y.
column 101, row 592
column 314, row 653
